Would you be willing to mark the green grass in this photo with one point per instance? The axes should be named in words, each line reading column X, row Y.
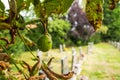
column 102, row 64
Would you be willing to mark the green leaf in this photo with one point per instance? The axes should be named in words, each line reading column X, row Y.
column 28, row 4
column 2, row 6
column 38, row 8
column 36, row 2
column 21, row 4
column 51, row 6
column 94, row 12
column 48, row 7
column 65, row 4
column 57, row 6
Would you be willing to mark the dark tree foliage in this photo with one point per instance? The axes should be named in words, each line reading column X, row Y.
column 112, row 20
column 81, row 28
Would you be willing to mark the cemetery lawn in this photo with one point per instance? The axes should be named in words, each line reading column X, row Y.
column 102, row 64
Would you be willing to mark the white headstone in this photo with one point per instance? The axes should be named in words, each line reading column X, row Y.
column 119, row 46
column 77, row 69
column 39, row 53
column 61, row 48
column 64, row 65
column 90, row 47
column 64, row 47
column 73, row 58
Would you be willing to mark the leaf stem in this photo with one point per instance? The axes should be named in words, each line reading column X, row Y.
column 12, row 60
column 24, row 42
column 25, row 75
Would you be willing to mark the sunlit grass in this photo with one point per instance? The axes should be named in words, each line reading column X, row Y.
column 102, row 64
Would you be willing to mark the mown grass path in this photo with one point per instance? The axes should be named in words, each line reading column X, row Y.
column 103, row 63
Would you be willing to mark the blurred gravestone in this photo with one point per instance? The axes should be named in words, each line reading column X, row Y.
column 112, row 43
column 64, row 65
column 115, row 44
column 90, row 48
column 73, row 58
column 81, row 55
column 39, row 53
column 76, row 65
column 64, row 47
column 61, row 48
column 118, row 45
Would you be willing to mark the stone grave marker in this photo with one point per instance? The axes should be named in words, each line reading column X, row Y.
column 61, row 48
column 64, row 47
column 90, row 47
column 81, row 55
column 64, row 65
column 39, row 53
column 73, row 58
column 118, row 45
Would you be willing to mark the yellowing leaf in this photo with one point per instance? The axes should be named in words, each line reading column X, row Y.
column 2, row 6
column 57, row 6
column 94, row 12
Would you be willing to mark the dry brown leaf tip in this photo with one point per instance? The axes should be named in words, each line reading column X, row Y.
column 4, row 65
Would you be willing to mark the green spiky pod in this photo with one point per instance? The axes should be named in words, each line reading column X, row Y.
column 44, row 43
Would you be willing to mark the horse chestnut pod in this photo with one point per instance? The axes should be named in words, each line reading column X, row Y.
column 44, row 43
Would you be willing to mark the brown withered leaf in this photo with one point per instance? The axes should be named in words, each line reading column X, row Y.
column 4, row 65
column 4, row 57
